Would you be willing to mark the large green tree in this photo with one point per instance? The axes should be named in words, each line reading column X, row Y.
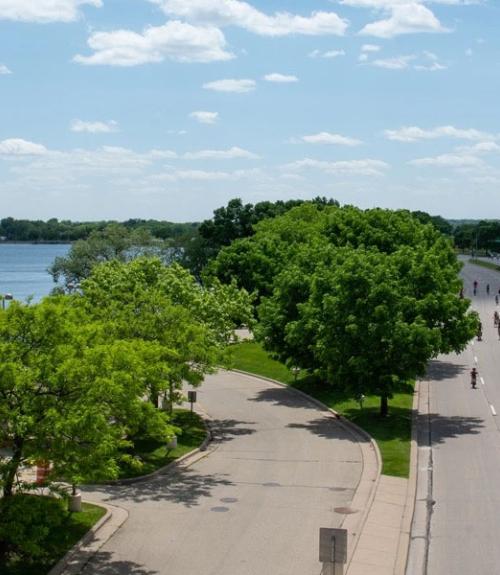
column 69, row 393
column 361, row 298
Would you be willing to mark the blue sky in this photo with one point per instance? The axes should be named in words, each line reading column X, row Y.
column 166, row 109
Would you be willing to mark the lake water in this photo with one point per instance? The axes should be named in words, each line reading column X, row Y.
column 23, row 269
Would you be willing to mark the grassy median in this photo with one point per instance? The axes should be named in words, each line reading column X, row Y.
column 485, row 264
column 392, row 433
column 148, row 455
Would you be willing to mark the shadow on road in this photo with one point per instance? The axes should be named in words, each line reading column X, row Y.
column 227, row 429
column 103, row 564
column 443, row 428
column 328, row 428
column 282, row 396
column 442, row 370
column 183, row 486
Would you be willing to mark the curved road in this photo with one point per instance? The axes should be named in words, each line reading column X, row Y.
column 279, row 469
column 465, row 447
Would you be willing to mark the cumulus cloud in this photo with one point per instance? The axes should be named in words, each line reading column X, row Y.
column 415, row 134
column 43, row 11
column 174, row 40
column 231, row 85
column 327, row 138
column 366, row 167
column 280, row 78
column 20, row 147
column 94, row 127
column 243, row 15
column 204, row 117
column 4, row 70
column 327, row 54
column 370, row 48
column 403, row 17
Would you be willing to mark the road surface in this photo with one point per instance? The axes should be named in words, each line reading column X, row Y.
column 464, row 479
column 279, row 469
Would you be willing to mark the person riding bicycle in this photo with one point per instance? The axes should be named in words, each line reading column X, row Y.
column 488, row 289
column 475, row 284
column 473, row 378
column 480, row 332
column 496, row 318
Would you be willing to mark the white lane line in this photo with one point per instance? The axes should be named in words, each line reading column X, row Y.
column 482, row 380
column 493, row 410
column 475, row 358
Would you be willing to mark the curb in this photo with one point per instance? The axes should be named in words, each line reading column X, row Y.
column 82, row 552
column 354, row 524
column 411, row 492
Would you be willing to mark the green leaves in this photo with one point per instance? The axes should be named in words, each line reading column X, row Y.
column 363, row 299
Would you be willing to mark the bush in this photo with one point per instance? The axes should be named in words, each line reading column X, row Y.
column 28, row 524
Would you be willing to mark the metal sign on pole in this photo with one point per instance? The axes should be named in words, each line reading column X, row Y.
column 192, row 398
column 333, row 550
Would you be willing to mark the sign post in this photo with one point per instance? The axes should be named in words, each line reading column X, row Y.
column 192, row 398
column 333, row 550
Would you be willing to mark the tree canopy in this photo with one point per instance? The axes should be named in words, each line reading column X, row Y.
column 363, row 299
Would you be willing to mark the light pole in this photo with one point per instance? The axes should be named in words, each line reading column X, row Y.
column 8, row 297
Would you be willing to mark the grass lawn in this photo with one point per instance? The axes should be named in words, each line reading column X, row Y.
column 392, row 433
column 485, row 264
column 62, row 539
column 150, row 455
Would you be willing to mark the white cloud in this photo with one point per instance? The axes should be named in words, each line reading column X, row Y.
column 43, row 11
column 174, row 40
column 370, row 48
column 450, row 161
column 230, row 154
column 94, row 127
column 404, row 17
column 367, row 167
column 231, row 85
column 243, row 15
column 20, row 147
column 4, row 70
column 327, row 54
column 396, row 63
column 280, row 78
column 327, row 138
column 205, row 117
column 414, row 134
column 434, row 67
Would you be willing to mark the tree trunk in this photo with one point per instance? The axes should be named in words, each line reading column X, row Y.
column 384, row 405
column 12, row 467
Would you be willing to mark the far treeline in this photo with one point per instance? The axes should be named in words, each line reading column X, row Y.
column 231, row 222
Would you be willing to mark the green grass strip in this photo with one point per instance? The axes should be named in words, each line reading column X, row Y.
column 150, row 455
column 392, row 433
column 484, row 264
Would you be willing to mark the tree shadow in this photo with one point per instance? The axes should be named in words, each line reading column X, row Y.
column 439, row 370
column 102, row 563
column 282, row 396
column 327, row 427
column 223, row 430
column 446, row 427
column 181, row 486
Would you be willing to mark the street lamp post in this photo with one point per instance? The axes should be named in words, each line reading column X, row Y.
column 6, row 297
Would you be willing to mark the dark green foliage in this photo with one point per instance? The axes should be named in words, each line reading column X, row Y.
column 362, row 299
column 27, row 523
column 235, row 221
column 65, row 231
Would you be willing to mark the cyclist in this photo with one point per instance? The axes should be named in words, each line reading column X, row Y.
column 488, row 289
column 473, row 378
column 475, row 287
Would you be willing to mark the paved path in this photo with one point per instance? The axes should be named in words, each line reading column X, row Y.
column 279, row 469
column 462, row 469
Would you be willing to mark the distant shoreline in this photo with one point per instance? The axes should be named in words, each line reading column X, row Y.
column 37, row 243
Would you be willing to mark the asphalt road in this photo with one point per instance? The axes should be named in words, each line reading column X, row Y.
column 465, row 439
column 278, row 470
